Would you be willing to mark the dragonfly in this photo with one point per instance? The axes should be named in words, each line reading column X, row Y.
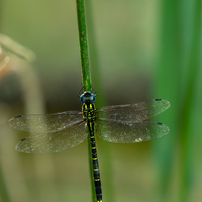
column 118, row 124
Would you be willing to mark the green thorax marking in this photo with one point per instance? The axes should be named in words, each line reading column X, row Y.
column 89, row 112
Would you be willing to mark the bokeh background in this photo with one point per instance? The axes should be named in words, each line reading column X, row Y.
column 139, row 50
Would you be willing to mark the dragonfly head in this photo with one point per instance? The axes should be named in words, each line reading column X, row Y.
column 87, row 97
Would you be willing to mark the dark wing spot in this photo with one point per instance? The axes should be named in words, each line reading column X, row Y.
column 159, row 123
column 23, row 139
column 18, row 116
column 158, row 99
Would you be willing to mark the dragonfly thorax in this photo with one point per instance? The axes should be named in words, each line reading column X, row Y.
column 88, row 112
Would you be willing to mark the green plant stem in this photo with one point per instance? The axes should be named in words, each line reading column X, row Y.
column 86, row 77
column 167, row 87
column 186, row 169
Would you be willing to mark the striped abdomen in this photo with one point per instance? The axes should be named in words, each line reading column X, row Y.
column 89, row 117
column 96, row 171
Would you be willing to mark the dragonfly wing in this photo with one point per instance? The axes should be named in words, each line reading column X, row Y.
column 54, row 141
column 129, row 132
column 133, row 112
column 39, row 123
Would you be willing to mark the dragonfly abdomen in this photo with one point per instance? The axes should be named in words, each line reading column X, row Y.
column 96, row 171
column 89, row 118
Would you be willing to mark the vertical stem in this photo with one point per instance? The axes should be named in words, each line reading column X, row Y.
column 86, row 77
column 167, row 87
column 187, row 156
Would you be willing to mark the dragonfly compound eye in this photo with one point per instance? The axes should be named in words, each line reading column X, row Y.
column 87, row 97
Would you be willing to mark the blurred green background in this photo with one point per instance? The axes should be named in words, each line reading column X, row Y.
column 140, row 50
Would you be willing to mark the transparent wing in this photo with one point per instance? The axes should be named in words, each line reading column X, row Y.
column 129, row 132
column 133, row 112
column 54, row 141
column 40, row 123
